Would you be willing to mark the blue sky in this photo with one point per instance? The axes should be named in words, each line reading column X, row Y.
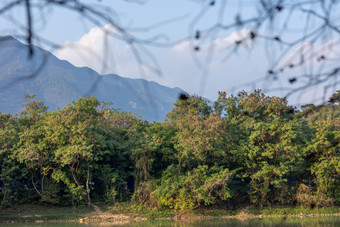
column 82, row 43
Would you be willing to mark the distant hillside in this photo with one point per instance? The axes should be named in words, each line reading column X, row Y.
column 58, row 82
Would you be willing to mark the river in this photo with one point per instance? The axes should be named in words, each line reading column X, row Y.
column 328, row 221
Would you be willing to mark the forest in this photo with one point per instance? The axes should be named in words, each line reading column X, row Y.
column 248, row 149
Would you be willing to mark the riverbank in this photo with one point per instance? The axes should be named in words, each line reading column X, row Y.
column 39, row 213
column 123, row 214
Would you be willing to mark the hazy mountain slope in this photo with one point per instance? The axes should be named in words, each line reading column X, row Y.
column 58, row 83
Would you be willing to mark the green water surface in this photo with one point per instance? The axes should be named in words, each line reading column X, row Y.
column 265, row 222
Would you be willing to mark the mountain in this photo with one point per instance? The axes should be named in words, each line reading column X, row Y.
column 57, row 83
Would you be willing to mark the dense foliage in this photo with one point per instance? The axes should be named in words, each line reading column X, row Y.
column 246, row 149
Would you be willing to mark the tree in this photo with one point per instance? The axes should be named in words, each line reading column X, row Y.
column 72, row 132
column 32, row 148
column 198, row 132
column 10, row 170
column 197, row 177
column 115, row 166
column 199, row 140
column 323, row 151
column 325, row 167
column 266, row 146
column 247, row 149
column 335, row 98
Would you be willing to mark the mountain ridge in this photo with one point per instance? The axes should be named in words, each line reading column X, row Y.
column 58, row 83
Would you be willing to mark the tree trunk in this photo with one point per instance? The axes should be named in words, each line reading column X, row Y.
column 42, row 183
column 88, row 202
column 75, row 177
column 35, row 186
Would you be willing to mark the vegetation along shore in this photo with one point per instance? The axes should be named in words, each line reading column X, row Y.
column 250, row 155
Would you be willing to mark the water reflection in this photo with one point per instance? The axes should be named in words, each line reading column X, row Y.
column 265, row 222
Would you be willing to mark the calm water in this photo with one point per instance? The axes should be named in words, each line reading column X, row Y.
column 266, row 222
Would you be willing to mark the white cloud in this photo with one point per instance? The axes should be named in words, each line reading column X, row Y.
column 133, row 105
column 310, row 54
column 221, row 44
column 229, row 41
column 177, row 65
column 182, row 46
column 99, row 50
